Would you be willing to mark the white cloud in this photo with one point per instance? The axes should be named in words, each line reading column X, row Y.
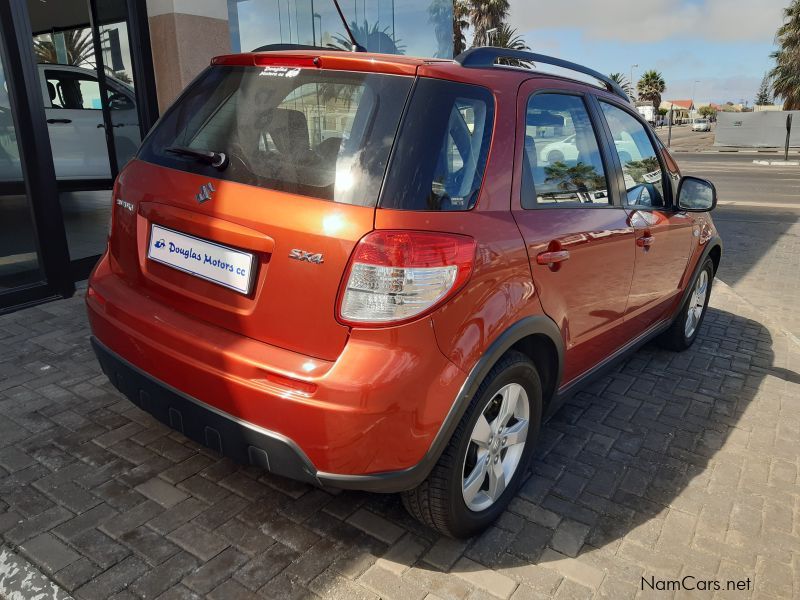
column 714, row 89
column 654, row 20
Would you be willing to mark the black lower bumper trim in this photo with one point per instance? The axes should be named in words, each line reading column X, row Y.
column 224, row 433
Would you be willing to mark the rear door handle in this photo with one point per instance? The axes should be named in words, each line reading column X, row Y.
column 645, row 241
column 60, row 121
column 551, row 258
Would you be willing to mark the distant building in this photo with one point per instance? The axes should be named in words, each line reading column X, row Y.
column 648, row 110
column 682, row 110
column 767, row 107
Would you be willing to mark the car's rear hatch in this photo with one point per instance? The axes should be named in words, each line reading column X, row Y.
column 259, row 245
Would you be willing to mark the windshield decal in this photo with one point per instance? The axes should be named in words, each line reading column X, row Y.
column 279, row 72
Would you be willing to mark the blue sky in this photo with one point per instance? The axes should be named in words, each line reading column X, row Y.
column 724, row 45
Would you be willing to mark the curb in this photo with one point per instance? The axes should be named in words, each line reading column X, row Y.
column 778, row 163
column 20, row 580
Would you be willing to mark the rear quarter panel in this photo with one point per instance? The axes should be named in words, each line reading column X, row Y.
column 500, row 291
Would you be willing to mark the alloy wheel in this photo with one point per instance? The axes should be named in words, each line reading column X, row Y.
column 495, row 447
column 697, row 304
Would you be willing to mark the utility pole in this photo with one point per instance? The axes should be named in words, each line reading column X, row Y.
column 788, row 134
column 694, row 105
column 669, row 135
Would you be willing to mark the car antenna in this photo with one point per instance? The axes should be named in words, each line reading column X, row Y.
column 356, row 47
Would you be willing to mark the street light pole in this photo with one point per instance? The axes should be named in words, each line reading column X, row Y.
column 694, row 88
column 669, row 135
column 313, row 26
column 636, row 66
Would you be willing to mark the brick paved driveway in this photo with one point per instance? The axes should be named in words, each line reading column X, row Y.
column 674, row 465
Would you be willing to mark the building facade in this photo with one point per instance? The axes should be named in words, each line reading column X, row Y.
column 83, row 81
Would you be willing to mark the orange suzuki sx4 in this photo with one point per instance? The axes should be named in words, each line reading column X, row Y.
column 383, row 273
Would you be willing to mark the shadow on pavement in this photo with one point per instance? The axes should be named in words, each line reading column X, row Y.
column 613, row 461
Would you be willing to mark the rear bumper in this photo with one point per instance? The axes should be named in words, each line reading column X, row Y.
column 365, row 421
column 241, row 441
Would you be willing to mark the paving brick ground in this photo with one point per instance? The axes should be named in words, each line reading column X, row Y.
column 762, row 259
column 674, row 465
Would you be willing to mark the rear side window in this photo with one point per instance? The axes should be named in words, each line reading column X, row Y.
column 326, row 134
column 441, row 151
column 562, row 164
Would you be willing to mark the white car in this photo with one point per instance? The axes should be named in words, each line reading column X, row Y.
column 701, row 125
column 567, row 150
column 73, row 110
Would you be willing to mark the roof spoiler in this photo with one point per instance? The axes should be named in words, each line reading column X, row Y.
column 281, row 47
column 486, row 56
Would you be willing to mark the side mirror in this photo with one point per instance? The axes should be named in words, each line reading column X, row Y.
column 696, row 195
column 119, row 101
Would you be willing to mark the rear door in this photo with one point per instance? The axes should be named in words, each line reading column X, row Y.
column 580, row 245
column 259, row 244
column 663, row 235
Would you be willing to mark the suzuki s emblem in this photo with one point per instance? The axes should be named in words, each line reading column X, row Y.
column 206, row 192
column 311, row 257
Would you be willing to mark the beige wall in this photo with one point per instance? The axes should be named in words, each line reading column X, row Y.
column 185, row 35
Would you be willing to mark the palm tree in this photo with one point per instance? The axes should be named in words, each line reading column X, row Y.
column 449, row 19
column 785, row 75
column 507, row 37
column 78, row 44
column 460, row 23
column 651, row 86
column 484, row 16
column 581, row 177
column 623, row 82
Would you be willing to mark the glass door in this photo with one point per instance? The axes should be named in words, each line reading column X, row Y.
column 19, row 255
column 113, row 42
column 85, row 68
column 69, row 69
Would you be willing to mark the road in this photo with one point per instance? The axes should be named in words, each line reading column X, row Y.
column 740, row 181
column 684, row 139
column 758, row 217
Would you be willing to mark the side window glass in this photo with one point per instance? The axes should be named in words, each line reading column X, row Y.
column 68, row 91
column 562, row 162
column 441, row 155
column 644, row 179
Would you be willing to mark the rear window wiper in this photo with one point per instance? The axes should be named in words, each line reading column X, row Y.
column 218, row 160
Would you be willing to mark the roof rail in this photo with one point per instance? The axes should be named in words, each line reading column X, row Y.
column 486, row 56
column 279, row 47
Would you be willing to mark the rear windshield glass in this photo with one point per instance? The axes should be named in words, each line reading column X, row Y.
column 325, row 134
column 441, row 153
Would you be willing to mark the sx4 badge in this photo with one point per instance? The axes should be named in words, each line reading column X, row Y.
column 312, row 257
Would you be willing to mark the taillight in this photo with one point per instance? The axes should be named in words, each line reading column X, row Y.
column 396, row 276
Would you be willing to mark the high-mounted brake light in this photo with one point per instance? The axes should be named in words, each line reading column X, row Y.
column 396, row 276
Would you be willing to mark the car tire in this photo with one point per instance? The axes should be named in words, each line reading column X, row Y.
column 555, row 156
column 471, row 469
column 683, row 330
